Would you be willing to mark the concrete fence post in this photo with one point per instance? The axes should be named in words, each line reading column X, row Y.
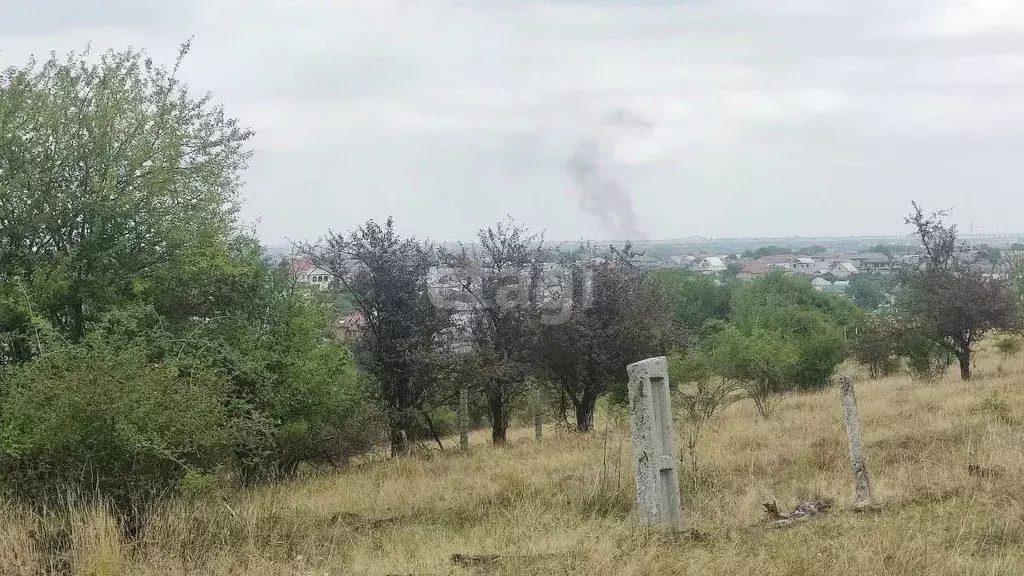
column 861, row 481
column 538, row 414
column 464, row 418
column 653, row 443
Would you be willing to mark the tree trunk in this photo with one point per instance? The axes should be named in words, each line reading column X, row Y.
column 399, row 435
column 585, row 411
column 563, row 406
column 964, row 356
column 433, row 431
column 499, row 417
column 77, row 316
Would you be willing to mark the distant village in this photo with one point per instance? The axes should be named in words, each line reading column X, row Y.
column 828, row 270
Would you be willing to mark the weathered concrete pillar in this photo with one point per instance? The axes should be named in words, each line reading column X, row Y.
column 653, row 443
column 861, row 482
column 464, row 418
column 538, row 414
column 403, row 443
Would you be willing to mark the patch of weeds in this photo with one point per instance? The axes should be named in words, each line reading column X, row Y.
column 606, row 502
column 988, row 535
column 996, row 406
column 1009, row 346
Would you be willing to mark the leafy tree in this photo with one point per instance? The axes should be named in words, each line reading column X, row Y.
column 109, row 172
column 402, row 346
column 502, row 275
column 623, row 322
column 144, row 339
column 926, row 359
column 990, row 255
column 732, row 269
column 877, row 345
column 808, row 321
column 887, row 249
column 946, row 301
column 781, row 334
column 97, row 417
column 695, row 298
column 759, row 362
column 766, row 251
column 866, row 292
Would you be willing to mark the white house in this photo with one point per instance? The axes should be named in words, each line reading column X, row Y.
column 805, row 265
column 843, row 270
column 820, row 284
column 711, row 265
column 305, row 272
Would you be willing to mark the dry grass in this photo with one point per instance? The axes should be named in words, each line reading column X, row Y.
column 564, row 506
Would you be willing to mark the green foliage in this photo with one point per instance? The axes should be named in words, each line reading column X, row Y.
column 625, row 321
column 758, row 362
column 98, row 418
column 146, row 346
column 947, row 301
column 1009, row 346
column 876, row 345
column 781, row 334
column 789, row 310
column 766, row 251
column 887, row 249
column 991, row 255
column 926, row 359
column 866, row 292
column 695, row 298
column 110, row 172
column 385, row 277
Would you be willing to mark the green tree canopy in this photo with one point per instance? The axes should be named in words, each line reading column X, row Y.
column 111, row 172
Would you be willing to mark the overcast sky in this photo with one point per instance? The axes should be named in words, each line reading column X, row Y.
column 715, row 117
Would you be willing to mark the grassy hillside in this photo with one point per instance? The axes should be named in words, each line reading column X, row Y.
column 565, row 506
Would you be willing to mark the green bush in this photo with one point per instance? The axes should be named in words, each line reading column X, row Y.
column 786, row 313
column 926, row 360
column 107, row 420
column 1009, row 346
column 875, row 344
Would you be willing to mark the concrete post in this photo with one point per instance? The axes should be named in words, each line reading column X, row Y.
column 464, row 418
column 403, row 443
column 653, row 443
column 861, row 482
column 538, row 414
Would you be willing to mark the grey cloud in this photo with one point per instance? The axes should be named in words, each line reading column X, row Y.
column 764, row 117
column 47, row 17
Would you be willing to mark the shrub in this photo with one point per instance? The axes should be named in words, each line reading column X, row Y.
column 787, row 315
column 1009, row 346
column 875, row 344
column 108, row 421
column 926, row 360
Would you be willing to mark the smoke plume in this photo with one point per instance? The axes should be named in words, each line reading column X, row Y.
column 602, row 195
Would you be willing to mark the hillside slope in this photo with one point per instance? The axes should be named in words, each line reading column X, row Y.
column 565, row 506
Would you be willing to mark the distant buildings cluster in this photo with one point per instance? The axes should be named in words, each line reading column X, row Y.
column 829, row 271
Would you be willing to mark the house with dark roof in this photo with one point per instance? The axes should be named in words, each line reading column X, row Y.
column 873, row 262
column 349, row 326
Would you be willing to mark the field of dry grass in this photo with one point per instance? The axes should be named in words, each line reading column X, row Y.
column 565, row 505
